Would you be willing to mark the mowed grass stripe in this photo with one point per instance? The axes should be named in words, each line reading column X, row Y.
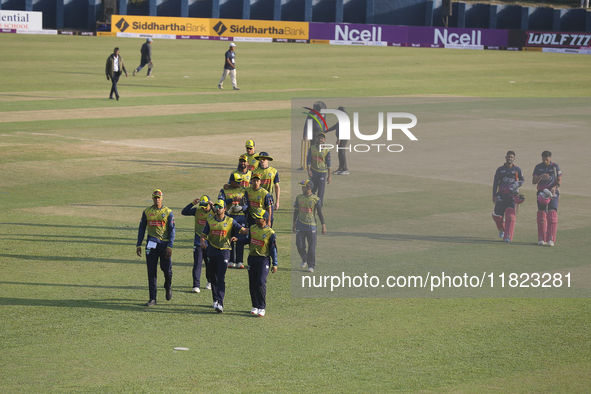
column 155, row 110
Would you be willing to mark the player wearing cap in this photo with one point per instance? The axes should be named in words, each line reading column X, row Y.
column 201, row 209
column 257, row 197
column 220, row 231
column 235, row 198
column 252, row 162
column 269, row 176
column 318, row 162
column 262, row 254
column 307, row 205
column 229, row 67
column 508, row 179
column 146, row 52
column 548, row 178
column 243, row 171
column 159, row 223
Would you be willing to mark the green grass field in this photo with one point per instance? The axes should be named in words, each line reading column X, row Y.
column 78, row 169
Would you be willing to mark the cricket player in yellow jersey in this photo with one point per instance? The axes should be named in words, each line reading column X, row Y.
column 269, row 177
column 253, row 163
column 257, row 197
column 158, row 221
column 235, row 199
column 306, row 206
column 262, row 254
column 243, row 171
column 220, row 231
column 318, row 162
column 201, row 209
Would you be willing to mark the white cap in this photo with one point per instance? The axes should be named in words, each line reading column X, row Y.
column 232, row 44
column 149, row 40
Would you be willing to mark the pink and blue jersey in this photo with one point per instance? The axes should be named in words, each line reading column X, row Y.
column 553, row 170
column 505, row 178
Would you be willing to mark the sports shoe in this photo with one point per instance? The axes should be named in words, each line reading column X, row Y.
column 344, row 173
column 240, row 265
column 542, row 243
column 151, row 303
column 220, row 86
column 208, row 286
column 215, row 303
column 303, row 265
column 150, row 76
column 218, row 308
column 550, row 243
column 337, row 172
column 501, row 234
column 168, row 294
column 261, row 313
column 254, row 311
column 196, row 290
column 117, row 97
column 310, row 269
column 507, row 240
column 231, row 265
column 134, row 72
column 236, row 88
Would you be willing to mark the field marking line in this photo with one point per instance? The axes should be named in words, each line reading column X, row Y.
column 69, row 95
column 142, row 111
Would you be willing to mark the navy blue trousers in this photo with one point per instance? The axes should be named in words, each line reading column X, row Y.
column 215, row 272
column 152, row 257
column 319, row 179
column 258, row 270
column 504, row 201
column 308, row 256
column 198, row 256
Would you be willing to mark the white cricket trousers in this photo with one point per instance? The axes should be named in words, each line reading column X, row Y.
column 232, row 77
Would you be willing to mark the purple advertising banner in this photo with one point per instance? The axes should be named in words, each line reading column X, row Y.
column 441, row 37
column 411, row 36
column 346, row 33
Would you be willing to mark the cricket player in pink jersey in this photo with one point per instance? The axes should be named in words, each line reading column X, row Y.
column 508, row 179
column 548, row 178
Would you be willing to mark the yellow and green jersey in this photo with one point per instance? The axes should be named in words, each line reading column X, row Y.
column 201, row 218
column 219, row 232
column 159, row 224
column 263, row 242
column 306, row 208
column 258, row 199
column 253, row 163
column 245, row 177
column 318, row 160
column 234, row 196
column 269, row 178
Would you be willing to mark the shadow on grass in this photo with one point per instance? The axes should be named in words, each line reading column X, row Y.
column 119, row 304
column 139, row 260
column 71, row 226
column 88, row 239
column 70, row 285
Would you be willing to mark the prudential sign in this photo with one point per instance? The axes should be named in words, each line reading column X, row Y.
column 21, row 20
